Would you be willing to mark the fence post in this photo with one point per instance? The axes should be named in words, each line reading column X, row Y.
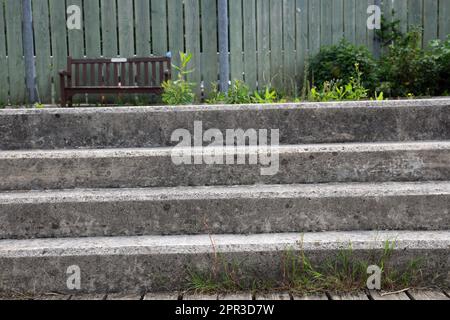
column 376, row 40
column 28, row 48
column 224, row 62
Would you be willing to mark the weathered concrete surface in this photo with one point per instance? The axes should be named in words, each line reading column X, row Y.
column 234, row 210
column 402, row 120
column 155, row 264
column 125, row 168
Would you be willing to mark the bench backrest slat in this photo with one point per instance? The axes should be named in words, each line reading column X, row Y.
column 134, row 72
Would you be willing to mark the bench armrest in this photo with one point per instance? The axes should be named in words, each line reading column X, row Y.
column 64, row 73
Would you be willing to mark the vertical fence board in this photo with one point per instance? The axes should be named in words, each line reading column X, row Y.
column 338, row 20
column 109, row 28
column 41, row 24
column 59, row 41
column 430, row 21
column 263, row 26
column 276, row 43
column 250, row 66
column 401, row 14
column 4, row 85
column 159, row 29
column 314, row 26
column 16, row 64
column 210, row 66
column 192, row 14
column 289, row 73
column 349, row 20
column 126, row 28
column 236, row 46
column 142, row 16
column 444, row 19
column 92, row 37
column 387, row 9
column 370, row 33
column 302, row 38
column 176, row 29
column 361, row 22
column 326, row 22
column 76, row 37
column 415, row 8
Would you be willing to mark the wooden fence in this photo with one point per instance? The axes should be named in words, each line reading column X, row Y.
column 269, row 39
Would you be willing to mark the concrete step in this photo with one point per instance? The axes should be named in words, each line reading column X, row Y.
column 158, row 167
column 166, row 263
column 371, row 121
column 222, row 210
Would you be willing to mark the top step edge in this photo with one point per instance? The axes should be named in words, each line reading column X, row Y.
column 435, row 102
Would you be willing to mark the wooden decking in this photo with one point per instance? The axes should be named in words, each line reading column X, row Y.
column 363, row 295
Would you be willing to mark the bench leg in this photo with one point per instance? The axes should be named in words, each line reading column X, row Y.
column 63, row 99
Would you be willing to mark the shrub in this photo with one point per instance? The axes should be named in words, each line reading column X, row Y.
column 339, row 91
column 440, row 52
column 408, row 69
column 180, row 91
column 338, row 62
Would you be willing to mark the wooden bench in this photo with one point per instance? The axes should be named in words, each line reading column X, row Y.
column 113, row 76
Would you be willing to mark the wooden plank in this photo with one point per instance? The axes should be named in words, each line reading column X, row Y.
column 428, row 295
column 250, row 65
column 388, row 10
column 361, row 22
column 16, row 64
column 350, row 20
column 126, row 28
column 349, row 296
column 444, row 20
column 415, row 11
column 41, row 24
column 263, row 26
column 273, row 296
column 124, row 297
column 313, row 297
column 314, row 27
column 92, row 40
column 401, row 14
column 236, row 49
column 76, row 36
column 59, row 42
column 163, row 296
column 289, row 38
column 326, row 32
column 384, row 296
column 302, row 38
column 430, row 21
column 4, row 84
column 338, row 20
column 276, row 43
column 198, row 297
column 109, row 29
column 210, row 63
column 159, row 30
column 370, row 33
column 176, row 33
column 192, row 16
column 143, row 36
column 236, row 297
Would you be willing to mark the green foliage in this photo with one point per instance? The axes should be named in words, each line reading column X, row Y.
column 239, row 93
column 267, row 96
column 407, row 68
column 338, row 62
column 180, row 91
column 440, row 53
column 340, row 91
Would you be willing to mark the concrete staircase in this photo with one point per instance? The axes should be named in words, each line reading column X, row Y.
column 97, row 189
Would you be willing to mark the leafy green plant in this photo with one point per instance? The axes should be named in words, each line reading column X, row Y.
column 216, row 97
column 340, row 91
column 267, row 96
column 338, row 62
column 179, row 91
column 239, row 93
